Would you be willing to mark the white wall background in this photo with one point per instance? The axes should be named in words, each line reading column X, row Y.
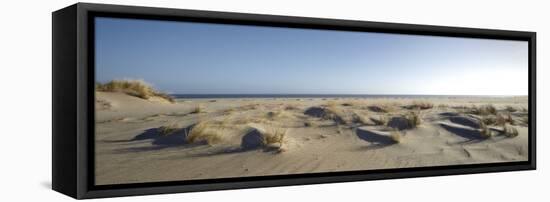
column 25, row 99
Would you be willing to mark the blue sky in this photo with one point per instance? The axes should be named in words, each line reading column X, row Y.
column 199, row 58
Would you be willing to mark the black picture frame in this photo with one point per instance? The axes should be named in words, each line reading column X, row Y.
column 73, row 100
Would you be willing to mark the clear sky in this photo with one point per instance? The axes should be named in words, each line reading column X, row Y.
column 199, row 58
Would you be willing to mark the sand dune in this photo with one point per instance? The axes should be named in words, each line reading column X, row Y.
column 139, row 140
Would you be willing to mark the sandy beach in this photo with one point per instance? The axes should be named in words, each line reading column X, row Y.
column 151, row 140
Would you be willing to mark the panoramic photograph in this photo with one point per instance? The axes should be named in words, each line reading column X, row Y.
column 177, row 101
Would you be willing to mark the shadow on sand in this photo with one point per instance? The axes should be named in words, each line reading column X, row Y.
column 471, row 135
column 465, row 121
column 377, row 109
column 448, row 114
column 376, row 140
column 159, row 141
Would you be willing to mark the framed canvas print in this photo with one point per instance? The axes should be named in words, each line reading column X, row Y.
column 154, row 100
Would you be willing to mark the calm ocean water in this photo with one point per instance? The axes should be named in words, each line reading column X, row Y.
column 222, row 96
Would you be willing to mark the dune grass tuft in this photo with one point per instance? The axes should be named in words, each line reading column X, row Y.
column 252, row 106
column 510, row 109
column 351, row 103
column 498, row 120
column 509, row 118
column 331, row 103
column 347, row 104
column 484, row 131
column 197, row 109
column 509, row 131
column 336, row 114
column 165, row 96
column 228, row 111
column 421, row 105
column 414, row 119
column 396, row 136
column 489, row 120
column 309, row 123
column 361, row 119
column 291, row 107
column 380, row 121
column 279, row 114
column 137, row 88
column 380, row 108
column 271, row 115
column 442, row 106
column 205, row 132
column 328, row 112
column 274, row 135
column 488, row 109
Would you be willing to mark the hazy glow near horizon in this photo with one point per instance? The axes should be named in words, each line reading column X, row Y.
column 199, row 58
